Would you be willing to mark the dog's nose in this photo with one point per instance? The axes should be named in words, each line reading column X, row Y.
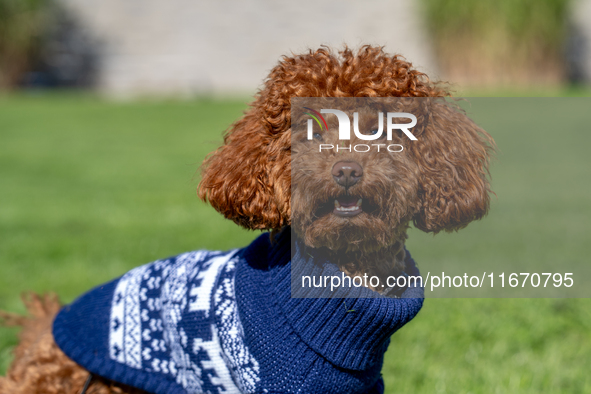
column 347, row 173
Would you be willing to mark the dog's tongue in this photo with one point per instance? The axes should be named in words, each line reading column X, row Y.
column 347, row 201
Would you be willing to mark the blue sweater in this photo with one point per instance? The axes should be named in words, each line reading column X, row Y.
column 225, row 322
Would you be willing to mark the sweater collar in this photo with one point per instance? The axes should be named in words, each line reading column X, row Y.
column 350, row 327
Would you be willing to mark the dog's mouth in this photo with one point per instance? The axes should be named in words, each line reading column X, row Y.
column 347, row 206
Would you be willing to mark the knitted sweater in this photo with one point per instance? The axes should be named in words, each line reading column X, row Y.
column 225, row 322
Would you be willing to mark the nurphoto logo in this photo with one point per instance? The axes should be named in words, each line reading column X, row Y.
column 345, row 129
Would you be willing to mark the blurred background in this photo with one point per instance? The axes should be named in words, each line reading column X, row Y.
column 107, row 109
column 184, row 48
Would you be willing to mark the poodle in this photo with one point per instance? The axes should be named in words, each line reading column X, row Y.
column 229, row 322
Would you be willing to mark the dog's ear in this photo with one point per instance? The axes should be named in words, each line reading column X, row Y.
column 453, row 154
column 248, row 179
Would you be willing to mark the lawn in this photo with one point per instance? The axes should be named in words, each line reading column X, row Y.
column 90, row 189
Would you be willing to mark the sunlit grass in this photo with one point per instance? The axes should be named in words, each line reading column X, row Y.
column 90, row 189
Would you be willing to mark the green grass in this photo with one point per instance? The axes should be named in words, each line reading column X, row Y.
column 90, row 189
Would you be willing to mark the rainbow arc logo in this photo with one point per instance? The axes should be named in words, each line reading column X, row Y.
column 318, row 115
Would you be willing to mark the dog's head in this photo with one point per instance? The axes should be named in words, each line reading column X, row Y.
column 438, row 182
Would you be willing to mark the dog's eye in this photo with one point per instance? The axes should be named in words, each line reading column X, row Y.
column 375, row 131
column 318, row 136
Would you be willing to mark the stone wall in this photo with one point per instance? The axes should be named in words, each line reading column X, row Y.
column 193, row 47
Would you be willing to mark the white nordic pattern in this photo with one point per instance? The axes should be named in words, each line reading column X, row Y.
column 147, row 332
column 243, row 366
column 125, row 330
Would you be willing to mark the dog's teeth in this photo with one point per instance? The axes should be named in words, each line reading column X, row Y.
column 355, row 207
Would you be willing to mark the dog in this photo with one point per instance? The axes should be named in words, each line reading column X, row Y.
column 209, row 322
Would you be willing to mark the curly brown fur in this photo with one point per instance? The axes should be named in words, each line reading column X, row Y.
column 39, row 366
column 438, row 184
column 248, row 178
